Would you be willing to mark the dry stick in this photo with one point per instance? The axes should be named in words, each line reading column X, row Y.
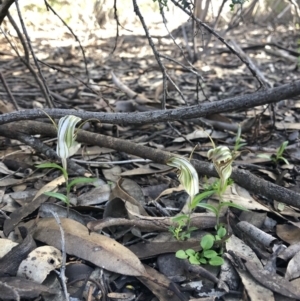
column 241, row 177
column 25, row 61
column 226, row 105
column 157, row 57
column 210, row 30
column 47, row 94
column 73, row 34
column 64, row 256
column 20, row 36
column 4, row 7
column 13, row 100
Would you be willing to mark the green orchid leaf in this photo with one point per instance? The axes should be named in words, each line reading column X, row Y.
column 188, row 175
column 216, row 261
column 53, row 165
column 200, row 197
column 180, row 218
column 181, row 254
column 80, row 181
column 193, row 260
column 210, row 253
column 57, row 195
column 284, row 160
column 229, row 204
column 282, row 148
column 207, row 241
column 208, row 207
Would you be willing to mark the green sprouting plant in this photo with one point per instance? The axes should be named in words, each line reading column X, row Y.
column 222, row 159
column 208, row 254
column 66, row 147
column 180, row 232
column 276, row 158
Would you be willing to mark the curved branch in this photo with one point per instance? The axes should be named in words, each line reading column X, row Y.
column 227, row 105
column 242, row 177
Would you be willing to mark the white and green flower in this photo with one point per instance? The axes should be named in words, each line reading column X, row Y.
column 66, row 138
column 188, row 175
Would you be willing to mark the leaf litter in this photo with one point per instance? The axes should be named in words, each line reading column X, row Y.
column 118, row 231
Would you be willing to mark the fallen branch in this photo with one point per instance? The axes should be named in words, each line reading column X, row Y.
column 227, row 105
column 243, row 178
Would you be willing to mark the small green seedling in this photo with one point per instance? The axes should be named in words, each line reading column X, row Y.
column 276, row 158
column 207, row 255
column 181, row 231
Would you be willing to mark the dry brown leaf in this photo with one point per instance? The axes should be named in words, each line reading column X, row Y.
column 288, row 233
column 160, row 286
column 98, row 249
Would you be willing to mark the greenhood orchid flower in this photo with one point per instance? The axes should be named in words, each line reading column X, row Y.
column 188, row 175
column 222, row 159
column 66, row 138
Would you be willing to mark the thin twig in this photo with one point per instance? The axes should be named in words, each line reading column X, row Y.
column 48, row 6
column 157, row 57
column 7, row 89
column 64, row 256
column 222, row 40
column 47, row 94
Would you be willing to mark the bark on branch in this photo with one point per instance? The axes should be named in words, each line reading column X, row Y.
column 227, row 105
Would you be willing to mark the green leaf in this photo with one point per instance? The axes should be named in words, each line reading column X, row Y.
column 200, row 197
column 80, row 181
column 181, row 254
column 282, row 149
column 53, row 165
column 208, row 207
column 57, row 195
column 193, row 260
column 229, row 204
column 284, row 160
column 221, row 232
column 207, row 242
column 216, row 261
column 180, row 218
column 203, row 260
column 210, row 253
column 190, row 252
